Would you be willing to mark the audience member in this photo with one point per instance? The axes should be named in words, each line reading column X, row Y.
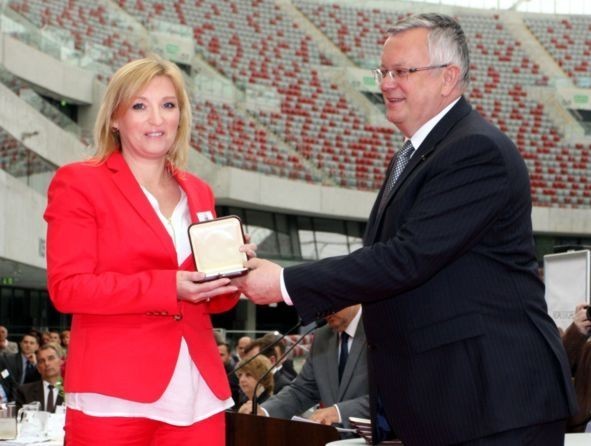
column 241, row 346
column 6, row 346
column 578, row 348
column 26, row 361
column 263, row 345
column 224, row 349
column 46, row 390
column 248, row 376
column 20, row 368
column 65, row 339
column 319, row 382
column 286, row 364
column 54, row 337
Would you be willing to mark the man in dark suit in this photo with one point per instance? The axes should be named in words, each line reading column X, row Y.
column 461, row 348
column 20, row 368
column 47, row 390
column 339, row 397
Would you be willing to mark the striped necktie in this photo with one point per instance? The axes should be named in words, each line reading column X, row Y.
column 398, row 164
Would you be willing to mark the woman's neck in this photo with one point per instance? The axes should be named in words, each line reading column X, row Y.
column 151, row 174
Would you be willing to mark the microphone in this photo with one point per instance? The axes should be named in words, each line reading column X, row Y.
column 317, row 324
column 267, row 348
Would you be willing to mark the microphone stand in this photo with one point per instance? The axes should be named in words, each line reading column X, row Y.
column 315, row 325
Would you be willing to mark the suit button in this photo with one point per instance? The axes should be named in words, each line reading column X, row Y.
column 371, row 346
column 149, row 313
column 178, row 317
column 164, row 313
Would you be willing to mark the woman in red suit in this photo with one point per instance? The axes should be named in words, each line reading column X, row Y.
column 143, row 365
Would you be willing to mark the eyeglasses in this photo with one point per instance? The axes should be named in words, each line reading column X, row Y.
column 401, row 73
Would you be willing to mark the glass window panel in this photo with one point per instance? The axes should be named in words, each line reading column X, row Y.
column 261, row 228
column 306, row 238
column 283, row 236
column 331, row 238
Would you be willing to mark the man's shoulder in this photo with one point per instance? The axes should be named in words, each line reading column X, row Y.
column 31, row 387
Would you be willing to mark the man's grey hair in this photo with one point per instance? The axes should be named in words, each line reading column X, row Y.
column 446, row 40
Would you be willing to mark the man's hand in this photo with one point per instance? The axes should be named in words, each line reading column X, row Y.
column 262, row 283
column 327, row 415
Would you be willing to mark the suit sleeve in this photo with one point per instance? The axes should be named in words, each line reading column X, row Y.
column 466, row 189
column 355, row 407
column 72, row 248
column 297, row 397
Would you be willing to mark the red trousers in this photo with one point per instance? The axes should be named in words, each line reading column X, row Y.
column 86, row 430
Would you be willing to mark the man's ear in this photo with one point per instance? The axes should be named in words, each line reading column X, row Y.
column 451, row 79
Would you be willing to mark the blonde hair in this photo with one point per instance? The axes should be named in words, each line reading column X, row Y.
column 256, row 368
column 125, row 84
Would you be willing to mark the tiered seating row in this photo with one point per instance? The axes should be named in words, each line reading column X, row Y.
column 568, row 40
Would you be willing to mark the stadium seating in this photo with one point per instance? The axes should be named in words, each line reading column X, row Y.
column 325, row 138
column 567, row 39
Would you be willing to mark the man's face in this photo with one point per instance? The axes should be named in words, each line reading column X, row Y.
column 54, row 337
column 29, row 345
column 49, row 364
column 224, row 353
column 242, row 343
column 3, row 334
column 341, row 319
column 414, row 100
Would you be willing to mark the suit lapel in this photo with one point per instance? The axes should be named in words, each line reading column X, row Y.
column 428, row 146
column 133, row 194
column 37, row 394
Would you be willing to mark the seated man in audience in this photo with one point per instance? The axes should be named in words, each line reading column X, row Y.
column 241, row 346
column 224, row 349
column 263, row 345
column 47, row 390
column 6, row 346
column 334, row 375
column 578, row 348
column 20, row 368
column 280, row 348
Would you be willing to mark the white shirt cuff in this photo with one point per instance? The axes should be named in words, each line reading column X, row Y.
column 264, row 411
column 284, row 293
column 339, row 414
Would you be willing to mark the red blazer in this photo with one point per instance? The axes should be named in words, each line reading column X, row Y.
column 112, row 264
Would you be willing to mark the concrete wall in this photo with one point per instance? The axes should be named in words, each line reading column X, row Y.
column 64, row 80
column 22, row 228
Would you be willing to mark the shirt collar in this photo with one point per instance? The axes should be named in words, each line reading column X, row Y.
column 423, row 131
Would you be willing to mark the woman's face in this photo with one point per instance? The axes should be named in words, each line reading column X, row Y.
column 148, row 126
column 247, row 383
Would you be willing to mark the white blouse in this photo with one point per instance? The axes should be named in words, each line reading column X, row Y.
column 188, row 398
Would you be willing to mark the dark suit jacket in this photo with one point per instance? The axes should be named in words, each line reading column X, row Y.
column 13, row 363
column 28, row 393
column 318, row 380
column 460, row 342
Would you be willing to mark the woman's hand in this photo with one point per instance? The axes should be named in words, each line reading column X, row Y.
column 580, row 319
column 190, row 288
